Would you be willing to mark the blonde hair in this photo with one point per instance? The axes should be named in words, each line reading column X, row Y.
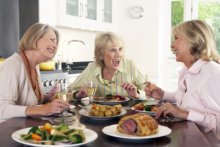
column 33, row 34
column 200, row 35
column 103, row 42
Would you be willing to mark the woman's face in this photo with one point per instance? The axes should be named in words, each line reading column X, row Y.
column 181, row 49
column 47, row 44
column 112, row 57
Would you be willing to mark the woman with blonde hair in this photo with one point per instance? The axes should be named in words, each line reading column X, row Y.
column 113, row 74
column 21, row 89
column 197, row 97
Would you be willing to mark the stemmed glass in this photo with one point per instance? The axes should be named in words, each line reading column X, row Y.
column 152, row 78
column 65, row 116
column 90, row 87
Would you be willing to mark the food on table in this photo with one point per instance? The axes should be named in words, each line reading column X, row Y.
column 139, row 124
column 111, row 98
column 105, row 110
column 49, row 134
column 143, row 107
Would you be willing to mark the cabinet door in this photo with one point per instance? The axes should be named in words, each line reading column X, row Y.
column 72, row 7
column 107, row 11
column 91, row 9
column 94, row 15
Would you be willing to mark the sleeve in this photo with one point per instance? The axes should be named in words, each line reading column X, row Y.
column 208, row 96
column 84, row 76
column 9, row 91
column 169, row 96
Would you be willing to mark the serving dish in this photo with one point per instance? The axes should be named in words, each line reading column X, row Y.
column 85, row 113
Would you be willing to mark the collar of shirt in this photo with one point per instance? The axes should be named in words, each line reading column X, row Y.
column 194, row 69
column 185, row 73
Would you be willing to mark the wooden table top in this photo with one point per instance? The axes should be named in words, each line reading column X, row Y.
column 184, row 134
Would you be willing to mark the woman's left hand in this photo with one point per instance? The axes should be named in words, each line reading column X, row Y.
column 169, row 109
column 131, row 89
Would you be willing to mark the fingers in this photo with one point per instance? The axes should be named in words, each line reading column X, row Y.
column 129, row 86
column 163, row 110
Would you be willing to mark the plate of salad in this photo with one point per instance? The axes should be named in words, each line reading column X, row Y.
column 48, row 135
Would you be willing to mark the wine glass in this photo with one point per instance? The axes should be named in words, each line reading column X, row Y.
column 90, row 87
column 65, row 116
column 152, row 78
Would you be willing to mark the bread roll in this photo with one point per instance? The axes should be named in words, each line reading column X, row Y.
column 139, row 124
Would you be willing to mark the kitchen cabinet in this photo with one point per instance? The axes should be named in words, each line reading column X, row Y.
column 94, row 15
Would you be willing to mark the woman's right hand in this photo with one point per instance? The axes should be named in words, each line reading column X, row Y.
column 152, row 90
column 81, row 93
column 56, row 106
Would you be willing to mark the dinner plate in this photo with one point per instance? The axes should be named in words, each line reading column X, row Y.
column 85, row 113
column 112, row 131
column 89, row 134
column 151, row 113
column 106, row 101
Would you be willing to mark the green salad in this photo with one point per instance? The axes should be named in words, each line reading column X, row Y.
column 50, row 135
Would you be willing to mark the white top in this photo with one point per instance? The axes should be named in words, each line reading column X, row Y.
column 16, row 92
column 199, row 93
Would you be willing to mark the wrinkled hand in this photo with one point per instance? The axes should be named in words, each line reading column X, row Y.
column 152, row 90
column 131, row 89
column 55, row 107
column 169, row 109
column 81, row 93
column 52, row 93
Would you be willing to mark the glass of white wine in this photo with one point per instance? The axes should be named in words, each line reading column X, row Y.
column 152, row 78
column 90, row 87
column 65, row 116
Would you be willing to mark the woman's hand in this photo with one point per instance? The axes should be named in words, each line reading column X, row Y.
column 169, row 109
column 56, row 106
column 131, row 89
column 52, row 93
column 152, row 90
column 81, row 93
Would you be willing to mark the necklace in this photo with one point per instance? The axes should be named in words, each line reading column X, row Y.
column 35, row 86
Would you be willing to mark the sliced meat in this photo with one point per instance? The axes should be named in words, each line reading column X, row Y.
column 130, row 126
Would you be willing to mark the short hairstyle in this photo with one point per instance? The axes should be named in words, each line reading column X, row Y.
column 104, row 41
column 200, row 35
column 33, row 34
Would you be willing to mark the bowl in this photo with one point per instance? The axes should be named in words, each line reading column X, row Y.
column 47, row 66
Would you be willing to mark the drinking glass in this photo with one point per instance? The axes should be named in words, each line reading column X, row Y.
column 152, row 78
column 65, row 116
column 90, row 87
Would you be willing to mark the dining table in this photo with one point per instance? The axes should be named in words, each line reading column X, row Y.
column 183, row 133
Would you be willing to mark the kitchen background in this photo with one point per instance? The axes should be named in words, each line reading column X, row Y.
column 144, row 25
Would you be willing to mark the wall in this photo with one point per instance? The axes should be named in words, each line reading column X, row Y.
column 15, row 18
column 147, row 39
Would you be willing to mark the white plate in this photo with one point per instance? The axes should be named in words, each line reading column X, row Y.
column 85, row 112
column 143, row 111
column 106, row 102
column 90, row 136
column 112, row 131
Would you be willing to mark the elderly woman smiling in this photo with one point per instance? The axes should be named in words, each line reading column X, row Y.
column 22, row 90
column 113, row 73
